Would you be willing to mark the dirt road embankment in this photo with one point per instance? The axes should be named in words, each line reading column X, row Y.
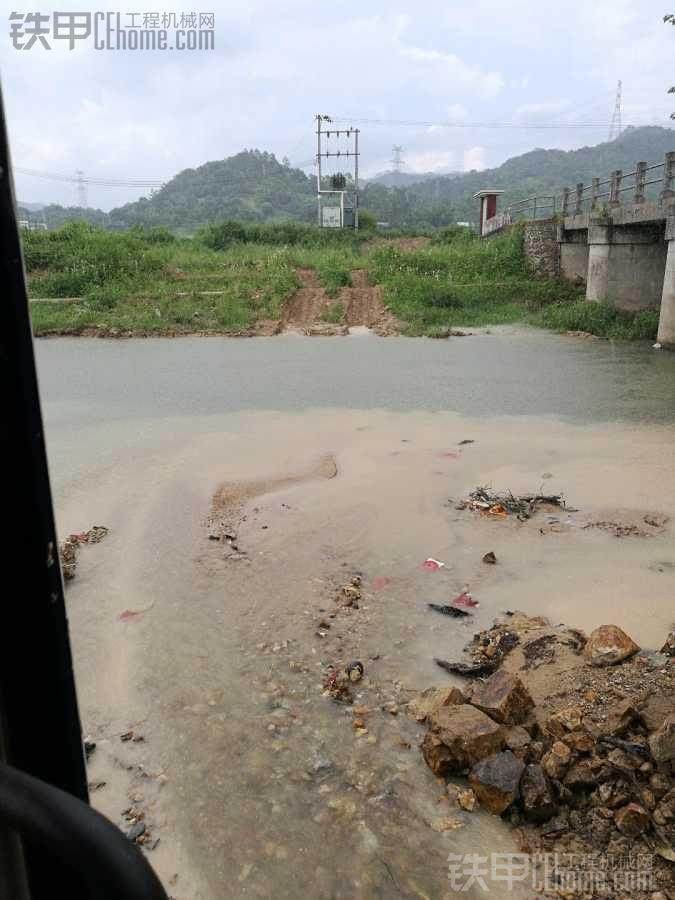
column 311, row 311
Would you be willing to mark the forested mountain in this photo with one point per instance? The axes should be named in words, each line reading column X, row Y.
column 450, row 199
column 255, row 186
column 249, row 186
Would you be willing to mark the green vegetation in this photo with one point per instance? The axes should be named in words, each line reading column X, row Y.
column 333, row 313
column 142, row 282
column 234, row 275
column 462, row 281
column 600, row 319
column 253, row 186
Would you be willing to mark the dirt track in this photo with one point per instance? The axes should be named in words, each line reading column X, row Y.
column 362, row 304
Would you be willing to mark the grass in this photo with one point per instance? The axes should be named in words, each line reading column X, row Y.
column 333, row 313
column 232, row 275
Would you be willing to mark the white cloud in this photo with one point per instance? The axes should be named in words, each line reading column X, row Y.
column 431, row 161
column 474, row 158
column 453, row 71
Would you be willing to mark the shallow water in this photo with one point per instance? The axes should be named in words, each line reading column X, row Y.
column 265, row 789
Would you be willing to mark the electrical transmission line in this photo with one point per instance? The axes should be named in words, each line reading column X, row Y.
column 615, row 127
column 79, row 179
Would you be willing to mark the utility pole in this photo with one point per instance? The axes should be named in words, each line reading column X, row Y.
column 615, row 127
column 330, row 215
column 397, row 161
column 81, row 190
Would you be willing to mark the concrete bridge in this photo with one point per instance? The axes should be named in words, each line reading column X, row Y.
column 616, row 236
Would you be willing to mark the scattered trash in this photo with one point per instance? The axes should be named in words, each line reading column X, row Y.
column 433, row 564
column 469, row 670
column 523, row 506
column 336, row 686
column 69, row 547
column 354, row 671
column 127, row 736
column 449, row 454
column 465, row 599
column 454, row 611
column 89, row 747
column 656, row 346
column 490, row 558
column 135, row 613
column 467, row 441
column 96, row 785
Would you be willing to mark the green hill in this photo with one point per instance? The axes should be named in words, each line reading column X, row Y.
column 255, row 186
column 250, row 186
column 448, row 199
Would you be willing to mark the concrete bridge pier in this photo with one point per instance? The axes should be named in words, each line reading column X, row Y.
column 599, row 245
column 666, row 333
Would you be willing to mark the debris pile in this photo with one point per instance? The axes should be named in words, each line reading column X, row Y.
column 571, row 738
column 523, row 506
column 69, row 548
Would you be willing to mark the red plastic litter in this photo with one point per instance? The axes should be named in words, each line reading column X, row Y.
column 449, row 454
column 432, row 564
column 465, row 599
column 379, row 582
column 129, row 614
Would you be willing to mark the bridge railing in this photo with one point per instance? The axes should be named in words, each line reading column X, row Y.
column 592, row 197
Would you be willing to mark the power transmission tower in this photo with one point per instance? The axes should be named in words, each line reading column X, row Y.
column 615, row 127
column 81, row 190
column 397, row 161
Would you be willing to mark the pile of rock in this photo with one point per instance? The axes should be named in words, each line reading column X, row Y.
column 604, row 781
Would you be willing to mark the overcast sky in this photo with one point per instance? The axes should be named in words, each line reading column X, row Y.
column 276, row 64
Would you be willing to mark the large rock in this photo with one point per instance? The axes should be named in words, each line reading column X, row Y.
column 662, row 742
column 496, row 781
column 432, row 699
column 631, row 820
column 620, row 717
column 459, row 737
column 609, row 645
column 556, row 762
column 503, row 697
column 536, row 795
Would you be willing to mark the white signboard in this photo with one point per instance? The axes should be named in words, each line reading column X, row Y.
column 330, row 216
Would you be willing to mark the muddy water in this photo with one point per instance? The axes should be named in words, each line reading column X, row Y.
column 255, row 783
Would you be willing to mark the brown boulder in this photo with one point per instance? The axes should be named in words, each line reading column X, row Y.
column 662, row 742
column 503, row 697
column 579, row 741
column 619, row 718
column 654, row 710
column 631, row 820
column 564, row 720
column 431, row 699
column 536, row 795
column 556, row 762
column 459, row 737
column 517, row 739
column 584, row 773
column 609, row 645
column 496, row 780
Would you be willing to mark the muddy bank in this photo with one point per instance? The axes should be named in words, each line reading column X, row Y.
column 247, row 763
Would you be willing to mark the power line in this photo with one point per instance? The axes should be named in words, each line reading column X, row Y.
column 79, row 179
column 429, row 124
